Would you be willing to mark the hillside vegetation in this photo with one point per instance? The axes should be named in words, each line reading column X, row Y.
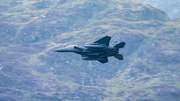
column 31, row 71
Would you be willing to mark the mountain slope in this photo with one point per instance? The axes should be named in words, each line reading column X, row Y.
column 31, row 71
column 170, row 7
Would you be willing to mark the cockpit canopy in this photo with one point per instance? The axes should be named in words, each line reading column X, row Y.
column 70, row 47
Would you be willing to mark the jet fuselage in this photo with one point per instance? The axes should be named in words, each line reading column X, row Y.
column 99, row 50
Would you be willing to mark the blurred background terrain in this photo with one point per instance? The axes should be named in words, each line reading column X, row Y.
column 31, row 71
column 171, row 8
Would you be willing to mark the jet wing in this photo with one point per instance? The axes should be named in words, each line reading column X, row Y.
column 105, row 60
column 105, row 40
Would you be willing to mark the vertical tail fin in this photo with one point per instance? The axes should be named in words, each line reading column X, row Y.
column 120, row 45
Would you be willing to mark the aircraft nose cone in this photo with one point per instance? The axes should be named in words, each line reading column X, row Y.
column 56, row 50
column 60, row 50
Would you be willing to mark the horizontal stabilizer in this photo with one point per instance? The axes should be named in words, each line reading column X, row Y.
column 119, row 56
column 120, row 45
column 105, row 40
column 105, row 60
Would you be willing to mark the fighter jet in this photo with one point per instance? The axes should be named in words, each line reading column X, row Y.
column 98, row 50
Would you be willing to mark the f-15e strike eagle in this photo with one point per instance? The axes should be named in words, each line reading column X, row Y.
column 99, row 50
